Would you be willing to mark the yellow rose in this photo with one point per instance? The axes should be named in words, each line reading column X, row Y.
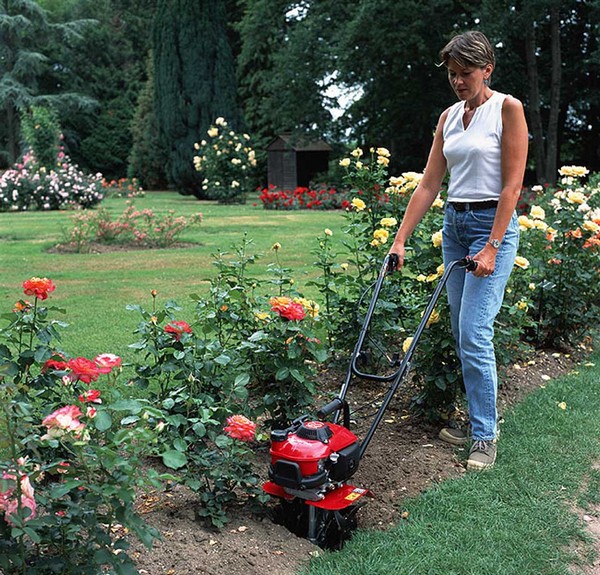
column 431, row 278
column 525, row 223
column 531, row 286
column 359, row 165
column 574, row 171
column 276, row 247
column 522, row 262
column 328, row 232
column 382, row 160
column 540, row 225
column 522, row 305
column 213, row 132
column 357, row 152
column 344, row 266
column 438, row 203
column 388, row 222
column 575, row 197
column 433, row 318
column 374, row 243
column 358, row 204
column 440, row 269
column 381, row 235
column 590, row 226
column 383, row 152
column 406, row 344
column 436, row 239
column 345, row 162
column 421, row 278
column 537, row 213
column 220, row 121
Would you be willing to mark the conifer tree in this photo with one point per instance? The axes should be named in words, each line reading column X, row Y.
column 194, row 81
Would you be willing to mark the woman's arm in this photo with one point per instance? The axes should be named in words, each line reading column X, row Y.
column 425, row 193
column 515, row 141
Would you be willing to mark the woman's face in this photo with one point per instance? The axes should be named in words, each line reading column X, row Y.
column 467, row 82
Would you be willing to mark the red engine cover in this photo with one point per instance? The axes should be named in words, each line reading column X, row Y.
column 308, row 452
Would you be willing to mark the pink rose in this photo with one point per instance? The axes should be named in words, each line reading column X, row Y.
column 63, row 420
column 106, row 362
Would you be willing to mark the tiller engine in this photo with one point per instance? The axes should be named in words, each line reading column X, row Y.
column 312, row 460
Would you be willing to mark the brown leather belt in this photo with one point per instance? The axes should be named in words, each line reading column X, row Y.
column 473, row 206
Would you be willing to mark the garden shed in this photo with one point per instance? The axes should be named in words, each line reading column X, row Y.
column 293, row 162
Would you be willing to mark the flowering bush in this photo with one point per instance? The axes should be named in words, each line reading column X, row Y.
column 227, row 161
column 144, row 228
column 123, row 188
column 274, row 198
column 71, row 454
column 560, row 241
column 32, row 186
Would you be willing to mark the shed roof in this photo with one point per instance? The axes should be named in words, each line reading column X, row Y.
column 289, row 142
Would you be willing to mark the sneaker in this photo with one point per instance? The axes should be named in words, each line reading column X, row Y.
column 454, row 435
column 482, row 455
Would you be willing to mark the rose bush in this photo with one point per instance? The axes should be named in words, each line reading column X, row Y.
column 70, row 455
column 227, row 162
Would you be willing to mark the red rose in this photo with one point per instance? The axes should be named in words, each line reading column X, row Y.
column 293, row 312
column 83, row 369
column 38, row 287
column 91, row 395
column 54, row 365
column 177, row 328
column 240, row 427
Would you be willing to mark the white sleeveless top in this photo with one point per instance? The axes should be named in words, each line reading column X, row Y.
column 473, row 155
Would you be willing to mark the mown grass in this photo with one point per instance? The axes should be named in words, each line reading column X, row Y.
column 519, row 518
column 95, row 288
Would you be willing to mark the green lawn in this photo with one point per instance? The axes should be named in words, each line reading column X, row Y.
column 95, row 288
column 524, row 517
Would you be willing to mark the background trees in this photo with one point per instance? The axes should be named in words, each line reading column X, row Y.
column 363, row 72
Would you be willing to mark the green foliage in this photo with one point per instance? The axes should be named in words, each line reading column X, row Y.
column 147, row 155
column 70, row 465
column 227, row 163
column 41, row 133
column 194, row 81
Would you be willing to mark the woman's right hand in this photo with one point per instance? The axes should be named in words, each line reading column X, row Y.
column 398, row 249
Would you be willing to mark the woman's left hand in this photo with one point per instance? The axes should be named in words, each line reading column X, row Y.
column 486, row 262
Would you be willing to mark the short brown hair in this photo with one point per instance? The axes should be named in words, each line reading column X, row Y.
column 469, row 49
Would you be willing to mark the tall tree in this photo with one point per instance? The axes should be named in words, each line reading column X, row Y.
column 194, row 81
column 25, row 37
column 546, row 52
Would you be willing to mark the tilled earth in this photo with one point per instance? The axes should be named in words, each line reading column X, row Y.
column 403, row 459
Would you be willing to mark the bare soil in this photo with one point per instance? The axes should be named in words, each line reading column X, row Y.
column 404, row 459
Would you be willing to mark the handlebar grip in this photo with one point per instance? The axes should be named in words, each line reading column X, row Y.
column 469, row 263
column 330, row 408
column 392, row 262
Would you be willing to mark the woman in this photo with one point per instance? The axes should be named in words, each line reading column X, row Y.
column 482, row 142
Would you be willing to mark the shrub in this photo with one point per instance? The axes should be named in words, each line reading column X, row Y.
column 71, row 451
column 274, row 198
column 143, row 228
column 31, row 186
column 41, row 132
column 227, row 161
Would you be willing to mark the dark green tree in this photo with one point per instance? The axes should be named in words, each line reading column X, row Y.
column 107, row 64
column 147, row 156
column 41, row 133
column 194, row 81
column 546, row 58
column 25, row 36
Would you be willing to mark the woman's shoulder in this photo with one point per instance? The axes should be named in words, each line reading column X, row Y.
column 510, row 103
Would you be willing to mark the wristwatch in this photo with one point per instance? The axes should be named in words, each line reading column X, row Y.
column 494, row 243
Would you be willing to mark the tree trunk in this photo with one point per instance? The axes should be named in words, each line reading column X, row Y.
column 12, row 134
column 535, row 115
column 552, row 132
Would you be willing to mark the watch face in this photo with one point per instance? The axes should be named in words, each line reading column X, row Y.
column 495, row 243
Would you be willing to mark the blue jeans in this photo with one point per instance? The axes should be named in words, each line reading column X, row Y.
column 474, row 304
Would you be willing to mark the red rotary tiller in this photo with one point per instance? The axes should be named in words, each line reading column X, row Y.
column 312, row 460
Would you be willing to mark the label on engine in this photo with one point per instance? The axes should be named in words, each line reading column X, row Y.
column 358, row 492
